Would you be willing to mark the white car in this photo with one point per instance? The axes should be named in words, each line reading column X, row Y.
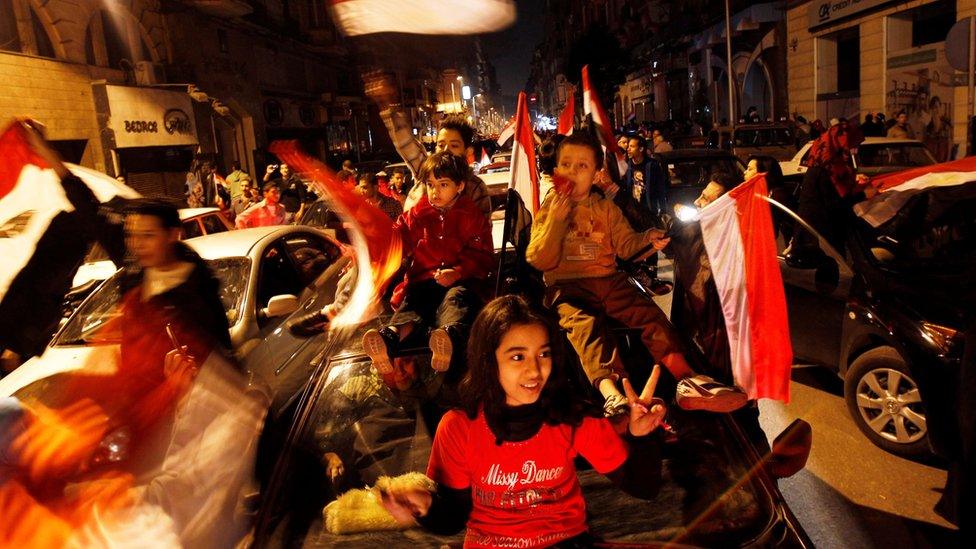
column 266, row 275
column 196, row 222
column 876, row 155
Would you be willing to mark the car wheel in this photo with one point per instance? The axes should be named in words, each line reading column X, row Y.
column 885, row 402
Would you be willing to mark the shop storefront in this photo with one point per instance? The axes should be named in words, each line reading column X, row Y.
column 149, row 136
column 847, row 59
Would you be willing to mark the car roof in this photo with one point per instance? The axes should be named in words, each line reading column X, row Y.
column 695, row 153
column 889, row 140
column 186, row 213
column 239, row 243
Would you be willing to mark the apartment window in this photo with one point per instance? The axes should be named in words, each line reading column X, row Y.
column 44, row 46
column 9, row 37
column 931, row 22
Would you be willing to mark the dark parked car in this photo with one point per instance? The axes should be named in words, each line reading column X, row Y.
column 888, row 318
column 687, row 171
column 715, row 490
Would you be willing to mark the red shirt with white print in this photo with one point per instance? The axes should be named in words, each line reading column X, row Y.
column 525, row 494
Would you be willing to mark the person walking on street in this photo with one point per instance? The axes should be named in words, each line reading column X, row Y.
column 237, row 179
column 291, row 188
column 660, row 144
column 901, row 129
column 266, row 212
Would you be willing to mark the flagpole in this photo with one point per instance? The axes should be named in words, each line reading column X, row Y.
column 728, row 60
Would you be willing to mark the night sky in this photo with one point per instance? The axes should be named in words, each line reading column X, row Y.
column 511, row 49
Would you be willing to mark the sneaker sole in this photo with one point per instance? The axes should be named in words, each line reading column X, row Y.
column 441, row 348
column 375, row 348
column 721, row 404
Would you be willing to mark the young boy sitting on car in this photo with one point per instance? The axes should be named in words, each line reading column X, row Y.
column 448, row 252
column 576, row 238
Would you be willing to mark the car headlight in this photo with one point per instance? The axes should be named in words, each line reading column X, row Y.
column 942, row 337
column 686, row 214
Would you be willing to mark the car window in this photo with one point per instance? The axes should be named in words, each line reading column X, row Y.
column 278, row 275
column 212, row 223
column 311, row 255
column 898, row 154
column 376, row 426
column 698, row 171
column 928, row 233
column 91, row 322
column 191, row 229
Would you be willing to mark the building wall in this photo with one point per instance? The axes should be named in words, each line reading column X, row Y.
column 882, row 78
column 57, row 91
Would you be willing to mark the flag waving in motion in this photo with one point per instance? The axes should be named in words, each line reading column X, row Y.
column 357, row 17
column 604, row 129
column 48, row 220
column 737, row 230
column 525, row 179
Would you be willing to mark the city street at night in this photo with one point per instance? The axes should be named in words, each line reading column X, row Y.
column 487, row 273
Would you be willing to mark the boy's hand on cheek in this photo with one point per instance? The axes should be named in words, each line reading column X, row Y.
column 561, row 208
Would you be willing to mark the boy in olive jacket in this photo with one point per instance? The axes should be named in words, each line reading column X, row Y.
column 576, row 238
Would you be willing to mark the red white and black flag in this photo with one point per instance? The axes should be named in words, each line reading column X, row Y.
column 737, row 230
column 604, row 128
column 46, row 227
column 567, row 118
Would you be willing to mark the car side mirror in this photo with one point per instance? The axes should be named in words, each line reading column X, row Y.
column 280, row 305
column 791, row 449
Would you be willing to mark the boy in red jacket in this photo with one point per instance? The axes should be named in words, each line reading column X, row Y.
column 449, row 248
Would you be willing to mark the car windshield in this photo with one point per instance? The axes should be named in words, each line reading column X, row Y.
column 892, row 156
column 696, row 172
column 384, row 427
column 102, row 306
column 934, row 231
column 763, row 137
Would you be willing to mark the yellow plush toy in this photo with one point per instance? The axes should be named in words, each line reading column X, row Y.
column 362, row 510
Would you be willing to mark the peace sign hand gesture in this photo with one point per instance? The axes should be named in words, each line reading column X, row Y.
column 646, row 412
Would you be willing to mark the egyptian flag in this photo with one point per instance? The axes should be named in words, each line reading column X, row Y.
column 568, row 117
column 525, row 178
column 485, row 159
column 453, row 17
column 507, row 132
column 604, row 129
column 897, row 189
column 737, row 230
column 46, row 227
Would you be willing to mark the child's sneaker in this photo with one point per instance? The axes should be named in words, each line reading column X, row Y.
column 441, row 348
column 377, row 344
column 615, row 405
column 704, row 393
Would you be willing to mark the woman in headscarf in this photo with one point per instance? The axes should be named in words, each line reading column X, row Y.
column 827, row 193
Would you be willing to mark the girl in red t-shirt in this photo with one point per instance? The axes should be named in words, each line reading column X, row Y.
column 504, row 463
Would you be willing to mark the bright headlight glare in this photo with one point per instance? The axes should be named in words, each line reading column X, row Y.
column 686, row 213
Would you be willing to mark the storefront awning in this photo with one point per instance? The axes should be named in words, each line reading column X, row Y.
column 747, row 19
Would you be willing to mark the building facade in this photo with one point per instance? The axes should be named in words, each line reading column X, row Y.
column 142, row 87
column 848, row 59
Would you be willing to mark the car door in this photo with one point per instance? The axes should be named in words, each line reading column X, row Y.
column 308, row 266
column 816, row 302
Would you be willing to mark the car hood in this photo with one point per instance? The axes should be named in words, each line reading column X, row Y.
column 94, row 359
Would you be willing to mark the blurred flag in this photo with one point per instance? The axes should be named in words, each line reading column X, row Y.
column 525, row 178
column 485, row 159
column 357, row 17
column 737, row 230
column 378, row 249
column 568, row 116
column 46, row 228
column 603, row 127
column 507, row 132
column 632, row 116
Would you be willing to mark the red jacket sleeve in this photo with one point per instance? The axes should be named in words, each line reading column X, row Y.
column 401, row 227
column 596, row 441
column 477, row 258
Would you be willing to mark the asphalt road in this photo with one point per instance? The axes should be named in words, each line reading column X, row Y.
column 851, row 493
